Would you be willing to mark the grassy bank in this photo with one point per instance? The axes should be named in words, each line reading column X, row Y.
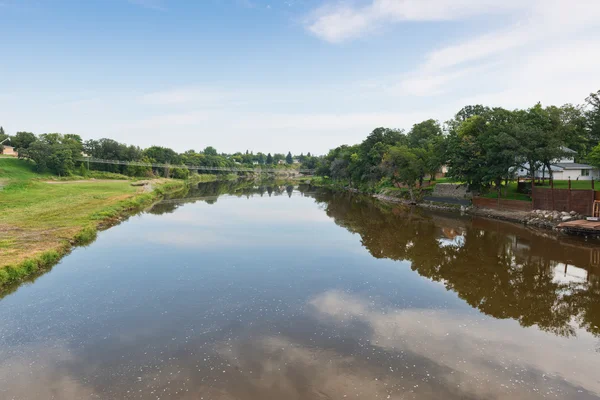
column 41, row 221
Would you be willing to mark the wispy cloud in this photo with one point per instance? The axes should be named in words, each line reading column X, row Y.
column 341, row 22
column 542, row 51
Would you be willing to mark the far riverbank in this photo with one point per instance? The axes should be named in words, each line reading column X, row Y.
column 537, row 219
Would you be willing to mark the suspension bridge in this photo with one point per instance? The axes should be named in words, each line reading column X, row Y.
column 197, row 168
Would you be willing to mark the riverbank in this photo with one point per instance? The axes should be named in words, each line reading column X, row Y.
column 538, row 219
column 40, row 221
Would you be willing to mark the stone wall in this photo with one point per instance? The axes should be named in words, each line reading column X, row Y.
column 503, row 204
column 451, row 190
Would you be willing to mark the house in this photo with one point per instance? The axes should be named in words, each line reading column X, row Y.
column 563, row 168
column 10, row 151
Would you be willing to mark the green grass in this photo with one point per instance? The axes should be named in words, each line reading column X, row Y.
column 574, row 185
column 14, row 169
column 40, row 221
column 444, row 180
column 510, row 194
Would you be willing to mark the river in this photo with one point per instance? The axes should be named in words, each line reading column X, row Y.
column 281, row 292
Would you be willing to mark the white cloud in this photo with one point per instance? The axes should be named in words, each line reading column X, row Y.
column 342, row 22
column 542, row 26
column 544, row 52
column 450, row 337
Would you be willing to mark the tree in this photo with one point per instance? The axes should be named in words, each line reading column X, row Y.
column 210, row 151
column 339, row 168
column 538, row 138
column 571, row 122
column 289, row 159
column 55, row 152
column 261, row 158
column 269, row 160
column 592, row 115
column 594, row 156
column 22, row 141
column 465, row 155
column 424, row 133
column 402, row 165
column 162, row 155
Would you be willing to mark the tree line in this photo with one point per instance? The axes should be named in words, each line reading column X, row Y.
column 59, row 153
column 481, row 146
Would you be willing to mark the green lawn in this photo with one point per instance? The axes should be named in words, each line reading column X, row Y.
column 574, row 185
column 14, row 169
column 37, row 217
column 444, row 180
column 509, row 193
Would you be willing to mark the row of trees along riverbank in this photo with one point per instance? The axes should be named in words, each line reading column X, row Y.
column 58, row 154
column 481, row 146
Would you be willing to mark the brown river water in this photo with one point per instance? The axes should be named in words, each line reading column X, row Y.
column 281, row 292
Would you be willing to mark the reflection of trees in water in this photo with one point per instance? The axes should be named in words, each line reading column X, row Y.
column 163, row 208
column 488, row 268
column 243, row 189
column 209, row 192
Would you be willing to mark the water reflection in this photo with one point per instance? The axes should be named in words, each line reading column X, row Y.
column 502, row 269
column 250, row 296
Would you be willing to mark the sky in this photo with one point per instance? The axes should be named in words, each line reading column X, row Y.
column 285, row 75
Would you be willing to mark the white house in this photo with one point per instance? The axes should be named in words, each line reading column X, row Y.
column 564, row 168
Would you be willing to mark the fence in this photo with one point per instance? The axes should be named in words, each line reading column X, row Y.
column 579, row 200
column 502, row 204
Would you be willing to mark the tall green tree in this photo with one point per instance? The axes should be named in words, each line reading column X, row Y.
column 592, row 115
column 424, row 133
column 22, row 141
column 594, row 156
column 210, row 151
column 269, row 160
column 402, row 165
column 289, row 159
column 466, row 157
column 55, row 152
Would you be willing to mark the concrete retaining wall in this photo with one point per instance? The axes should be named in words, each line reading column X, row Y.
column 451, row 190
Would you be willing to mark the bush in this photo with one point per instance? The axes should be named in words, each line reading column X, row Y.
column 4, row 277
column 180, row 173
column 48, row 258
column 86, row 236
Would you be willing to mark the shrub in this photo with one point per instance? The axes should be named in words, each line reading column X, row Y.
column 48, row 258
column 86, row 236
column 4, row 277
column 29, row 267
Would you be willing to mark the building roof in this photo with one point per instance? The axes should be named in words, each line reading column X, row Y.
column 567, row 150
column 573, row 166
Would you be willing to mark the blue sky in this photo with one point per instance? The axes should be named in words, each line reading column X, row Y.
column 273, row 76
